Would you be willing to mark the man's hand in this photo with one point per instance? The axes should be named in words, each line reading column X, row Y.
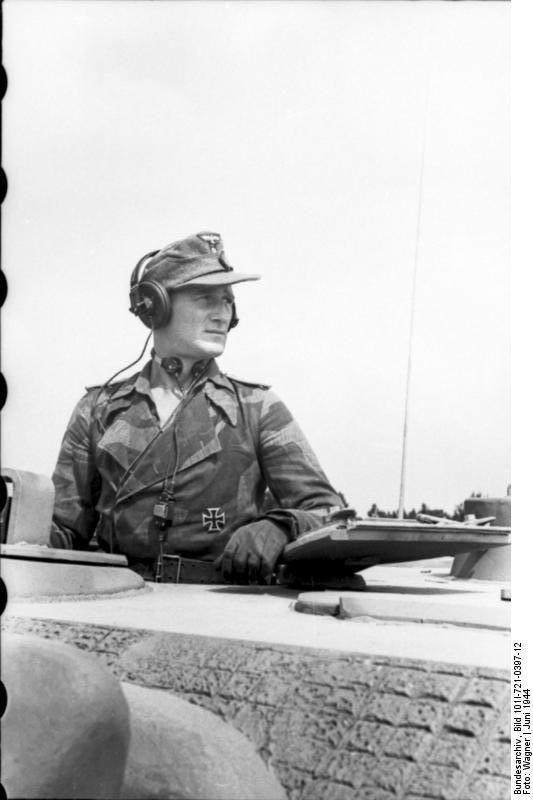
column 252, row 552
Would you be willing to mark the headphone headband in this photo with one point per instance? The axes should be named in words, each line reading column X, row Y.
column 138, row 271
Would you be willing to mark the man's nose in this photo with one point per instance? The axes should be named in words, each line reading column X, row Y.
column 222, row 311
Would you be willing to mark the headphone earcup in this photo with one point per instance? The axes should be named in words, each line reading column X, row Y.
column 150, row 302
column 234, row 321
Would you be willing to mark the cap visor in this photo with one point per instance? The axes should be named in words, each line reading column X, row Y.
column 222, row 278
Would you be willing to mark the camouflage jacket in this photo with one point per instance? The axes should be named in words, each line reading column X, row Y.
column 226, row 442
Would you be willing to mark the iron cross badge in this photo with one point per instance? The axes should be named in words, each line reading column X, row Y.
column 214, row 520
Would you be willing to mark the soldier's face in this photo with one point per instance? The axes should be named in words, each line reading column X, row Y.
column 199, row 323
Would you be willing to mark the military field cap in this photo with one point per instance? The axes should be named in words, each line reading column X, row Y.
column 197, row 260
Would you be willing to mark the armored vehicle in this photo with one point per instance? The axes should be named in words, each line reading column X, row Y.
column 389, row 681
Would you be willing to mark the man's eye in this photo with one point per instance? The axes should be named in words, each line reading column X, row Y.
column 209, row 299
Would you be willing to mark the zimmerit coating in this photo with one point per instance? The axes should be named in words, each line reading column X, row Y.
column 332, row 725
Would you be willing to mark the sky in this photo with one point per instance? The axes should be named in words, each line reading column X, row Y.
column 333, row 145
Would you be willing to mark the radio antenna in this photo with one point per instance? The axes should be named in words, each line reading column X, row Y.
column 412, row 316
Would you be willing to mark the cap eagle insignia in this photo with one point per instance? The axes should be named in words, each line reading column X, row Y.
column 212, row 239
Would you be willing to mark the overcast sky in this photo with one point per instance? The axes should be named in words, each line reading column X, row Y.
column 297, row 131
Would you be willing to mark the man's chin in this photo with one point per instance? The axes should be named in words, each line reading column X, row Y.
column 211, row 349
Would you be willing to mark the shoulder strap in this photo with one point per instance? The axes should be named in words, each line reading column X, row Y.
column 114, row 386
column 252, row 384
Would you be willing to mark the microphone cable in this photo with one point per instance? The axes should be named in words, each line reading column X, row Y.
column 108, row 381
column 93, row 411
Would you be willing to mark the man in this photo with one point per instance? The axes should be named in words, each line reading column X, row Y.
column 175, row 460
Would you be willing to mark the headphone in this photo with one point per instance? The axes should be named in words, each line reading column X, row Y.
column 150, row 300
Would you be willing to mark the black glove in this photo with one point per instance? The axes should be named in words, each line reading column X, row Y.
column 252, row 552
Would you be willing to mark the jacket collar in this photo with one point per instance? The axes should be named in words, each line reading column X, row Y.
column 135, row 383
column 222, row 393
column 218, row 388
